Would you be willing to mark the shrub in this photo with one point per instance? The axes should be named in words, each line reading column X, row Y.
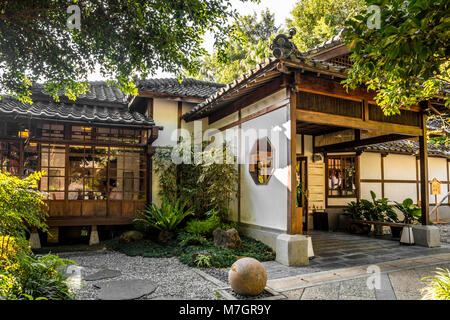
column 207, row 227
column 411, row 212
column 21, row 205
column 438, row 286
column 10, row 247
column 190, row 239
column 203, row 227
column 32, row 277
column 203, row 261
column 204, row 186
column 166, row 218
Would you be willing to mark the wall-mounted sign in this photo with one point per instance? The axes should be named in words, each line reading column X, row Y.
column 435, row 187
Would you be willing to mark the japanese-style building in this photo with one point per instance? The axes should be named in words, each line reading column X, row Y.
column 336, row 144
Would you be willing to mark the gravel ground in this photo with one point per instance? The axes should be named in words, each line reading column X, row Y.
column 445, row 232
column 174, row 279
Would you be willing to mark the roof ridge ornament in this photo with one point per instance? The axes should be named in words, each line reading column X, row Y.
column 282, row 48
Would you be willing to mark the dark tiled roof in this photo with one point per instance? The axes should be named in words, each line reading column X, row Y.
column 408, row 146
column 330, row 43
column 98, row 91
column 283, row 50
column 226, row 88
column 188, row 87
column 74, row 112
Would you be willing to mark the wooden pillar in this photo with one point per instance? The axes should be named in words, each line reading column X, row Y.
column 292, row 162
column 423, row 152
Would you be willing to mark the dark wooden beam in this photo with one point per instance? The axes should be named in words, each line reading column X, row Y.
column 350, row 145
column 350, row 122
column 148, row 94
column 247, row 100
column 423, row 153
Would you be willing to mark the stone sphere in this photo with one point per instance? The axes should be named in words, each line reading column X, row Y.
column 247, row 277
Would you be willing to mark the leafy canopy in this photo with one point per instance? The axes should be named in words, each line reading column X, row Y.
column 125, row 38
column 319, row 20
column 247, row 45
column 407, row 59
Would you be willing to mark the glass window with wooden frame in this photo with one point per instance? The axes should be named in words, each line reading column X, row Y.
column 10, row 158
column 341, row 173
column 112, row 135
column 53, row 162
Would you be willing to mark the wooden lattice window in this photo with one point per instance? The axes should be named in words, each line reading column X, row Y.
column 341, row 176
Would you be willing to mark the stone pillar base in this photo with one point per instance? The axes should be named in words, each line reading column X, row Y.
column 292, row 250
column 93, row 240
column 35, row 242
column 427, row 236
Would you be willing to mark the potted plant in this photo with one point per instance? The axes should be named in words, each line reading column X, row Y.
column 354, row 211
column 378, row 210
column 411, row 212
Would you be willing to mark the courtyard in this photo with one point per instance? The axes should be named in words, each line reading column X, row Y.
column 338, row 271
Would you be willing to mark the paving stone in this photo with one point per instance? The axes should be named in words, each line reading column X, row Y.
column 294, row 294
column 125, row 289
column 356, row 288
column 329, row 291
column 103, row 274
column 355, row 256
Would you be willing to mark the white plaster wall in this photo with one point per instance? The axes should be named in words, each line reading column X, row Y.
column 366, row 187
column 399, row 167
column 165, row 114
column 266, row 205
column 263, row 103
column 400, row 191
column 370, row 165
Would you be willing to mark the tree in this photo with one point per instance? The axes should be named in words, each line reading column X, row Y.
column 247, row 45
column 319, row 20
column 41, row 41
column 407, row 59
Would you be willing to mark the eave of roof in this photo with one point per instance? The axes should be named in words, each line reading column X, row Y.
column 74, row 112
column 409, row 147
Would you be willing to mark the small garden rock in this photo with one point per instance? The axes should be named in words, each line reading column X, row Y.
column 131, row 236
column 228, row 239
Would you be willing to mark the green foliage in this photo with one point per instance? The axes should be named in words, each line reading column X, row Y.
column 189, row 246
column 354, row 210
column 438, row 287
column 203, row 227
column 203, row 261
column 186, row 239
column 33, row 278
column 247, row 45
column 166, row 218
column 407, row 60
column 378, row 209
column 125, row 39
column 317, row 21
column 206, row 185
column 206, row 227
column 21, row 205
column 411, row 212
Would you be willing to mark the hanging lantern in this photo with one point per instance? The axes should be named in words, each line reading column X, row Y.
column 25, row 133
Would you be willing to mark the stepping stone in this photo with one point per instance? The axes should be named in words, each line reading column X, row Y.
column 103, row 274
column 125, row 289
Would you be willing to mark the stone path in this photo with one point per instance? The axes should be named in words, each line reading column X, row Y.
column 336, row 250
column 399, row 280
